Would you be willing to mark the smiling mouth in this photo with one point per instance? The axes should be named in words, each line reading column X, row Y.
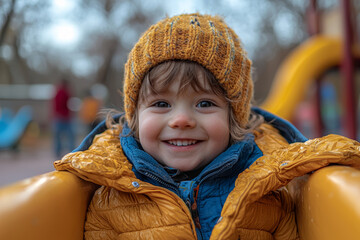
column 181, row 143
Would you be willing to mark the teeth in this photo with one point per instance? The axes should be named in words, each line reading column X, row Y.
column 182, row 142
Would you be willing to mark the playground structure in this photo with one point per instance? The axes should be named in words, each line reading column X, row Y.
column 300, row 70
column 54, row 205
column 308, row 62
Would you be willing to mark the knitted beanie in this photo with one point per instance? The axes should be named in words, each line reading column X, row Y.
column 203, row 39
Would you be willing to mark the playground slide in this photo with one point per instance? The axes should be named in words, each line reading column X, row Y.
column 13, row 129
column 300, row 69
column 6, row 116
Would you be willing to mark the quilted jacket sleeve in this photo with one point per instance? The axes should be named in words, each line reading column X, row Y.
column 97, row 226
column 275, row 170
column 286, row 229
column 271, row 217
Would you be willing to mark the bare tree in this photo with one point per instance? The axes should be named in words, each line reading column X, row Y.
column 21, row 19
column 6, row 23
column 123, row 22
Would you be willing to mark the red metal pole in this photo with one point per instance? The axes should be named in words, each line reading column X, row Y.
column 348, row 74
column 314, row 29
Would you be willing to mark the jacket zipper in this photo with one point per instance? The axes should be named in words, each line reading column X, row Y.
column 171, row 193
column 192, row 208
column 213, row 172
column 164, row 183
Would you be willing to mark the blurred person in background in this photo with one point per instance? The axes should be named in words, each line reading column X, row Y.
column 91, row 105
column 64, row 136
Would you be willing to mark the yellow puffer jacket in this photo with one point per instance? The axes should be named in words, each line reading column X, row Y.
column 259, row 207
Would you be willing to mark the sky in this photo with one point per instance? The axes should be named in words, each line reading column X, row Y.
column 62, row 32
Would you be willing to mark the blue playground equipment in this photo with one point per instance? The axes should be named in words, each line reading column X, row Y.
column 12, row 128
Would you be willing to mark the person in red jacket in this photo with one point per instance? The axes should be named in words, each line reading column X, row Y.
column 64, row 137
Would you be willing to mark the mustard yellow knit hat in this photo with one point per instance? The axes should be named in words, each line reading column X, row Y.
column 204, row 39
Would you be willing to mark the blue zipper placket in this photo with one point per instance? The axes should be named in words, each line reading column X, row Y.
column 195, row 189
column 187, row 190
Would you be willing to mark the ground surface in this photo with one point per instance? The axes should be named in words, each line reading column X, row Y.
column 34, row 156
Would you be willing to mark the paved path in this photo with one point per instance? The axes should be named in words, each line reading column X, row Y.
column 34, row 157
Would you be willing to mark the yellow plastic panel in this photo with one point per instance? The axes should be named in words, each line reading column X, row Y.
column 49, row 206
column 328, row 205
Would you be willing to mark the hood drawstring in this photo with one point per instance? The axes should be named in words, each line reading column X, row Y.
column 194, row 210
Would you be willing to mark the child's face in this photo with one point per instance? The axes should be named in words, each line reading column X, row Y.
column 184, row 131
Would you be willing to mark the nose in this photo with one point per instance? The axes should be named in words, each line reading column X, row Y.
column 182, row 120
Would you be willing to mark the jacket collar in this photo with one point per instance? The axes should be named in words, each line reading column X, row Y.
column 286, row 129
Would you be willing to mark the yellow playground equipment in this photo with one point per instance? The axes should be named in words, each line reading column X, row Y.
column 53, row 206
column 299, row 70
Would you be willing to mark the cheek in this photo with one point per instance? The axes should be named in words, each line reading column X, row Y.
column 219, row 130
column 218, row 124
column 149, row 128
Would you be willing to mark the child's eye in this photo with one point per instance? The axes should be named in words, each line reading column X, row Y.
column 161, row 104
column 205, row 104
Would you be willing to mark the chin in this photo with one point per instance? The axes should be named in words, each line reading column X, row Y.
column 186, row 168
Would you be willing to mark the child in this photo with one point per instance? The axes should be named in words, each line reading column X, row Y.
column 190, row 159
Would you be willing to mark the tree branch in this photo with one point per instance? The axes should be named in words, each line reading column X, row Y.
column 7, row 21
